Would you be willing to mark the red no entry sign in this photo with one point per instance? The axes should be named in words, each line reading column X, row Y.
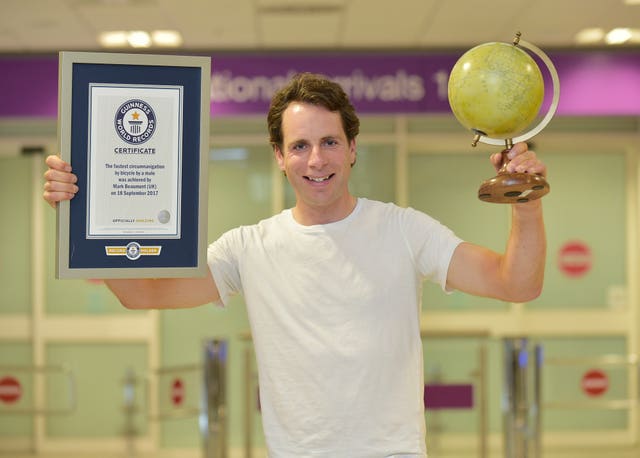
column 574, row 259
column 177, row 392
column 10, row 390
column 595, row 382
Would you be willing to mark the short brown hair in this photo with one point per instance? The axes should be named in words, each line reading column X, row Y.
column 316, row 90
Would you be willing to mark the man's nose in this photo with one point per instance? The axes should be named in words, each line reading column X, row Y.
column 317, row 157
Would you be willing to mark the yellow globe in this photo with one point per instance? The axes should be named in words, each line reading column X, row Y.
column 496, row 90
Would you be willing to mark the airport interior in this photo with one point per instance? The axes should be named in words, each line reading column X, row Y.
column 82, row 376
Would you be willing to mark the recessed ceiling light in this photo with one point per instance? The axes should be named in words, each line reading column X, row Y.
column 139, row 39
column 618, row 36
column 113, row 39
column 590, row 36
column 166, row 38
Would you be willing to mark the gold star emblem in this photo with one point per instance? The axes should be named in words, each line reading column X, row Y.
column 135, row 116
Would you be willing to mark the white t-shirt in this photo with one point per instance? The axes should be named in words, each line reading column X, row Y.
column 334, row 312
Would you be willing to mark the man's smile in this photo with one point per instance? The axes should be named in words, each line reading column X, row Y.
column 319, row 179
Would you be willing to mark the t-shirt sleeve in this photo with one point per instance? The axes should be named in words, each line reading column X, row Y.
column 223, row 263
column 432, row 245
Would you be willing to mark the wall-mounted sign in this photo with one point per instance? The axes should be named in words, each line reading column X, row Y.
column 10, row 390
column 594, row 383
column 574, row 259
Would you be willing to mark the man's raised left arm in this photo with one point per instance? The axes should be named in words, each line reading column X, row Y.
column 517, row 274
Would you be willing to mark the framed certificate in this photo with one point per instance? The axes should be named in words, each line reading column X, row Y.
column 135, row 129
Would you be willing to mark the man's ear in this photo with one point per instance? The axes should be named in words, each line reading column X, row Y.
column 279, row 157
column 353, row 152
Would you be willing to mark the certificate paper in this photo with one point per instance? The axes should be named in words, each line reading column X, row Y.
column 134, row 166
column 135, row 129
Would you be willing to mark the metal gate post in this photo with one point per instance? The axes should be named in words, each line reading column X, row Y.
column 515, row 403
column 214, row 410
column 537, row 401
column 522, row 402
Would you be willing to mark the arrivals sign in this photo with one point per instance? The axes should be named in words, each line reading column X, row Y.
column 378, row 83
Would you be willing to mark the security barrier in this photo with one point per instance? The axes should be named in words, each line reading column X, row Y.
column 630, row 362
column 212, row 411
column 12, row 388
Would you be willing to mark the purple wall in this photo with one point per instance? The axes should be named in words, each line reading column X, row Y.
column 592, row 83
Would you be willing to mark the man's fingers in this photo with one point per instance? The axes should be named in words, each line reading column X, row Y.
column 59, row 186
column 528, row 163
column 60, row 183
column 56, row 162
column 53, row 197
column 54, row 175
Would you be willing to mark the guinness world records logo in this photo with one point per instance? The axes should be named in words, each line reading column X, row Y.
column 133, row 251
column 135, row 121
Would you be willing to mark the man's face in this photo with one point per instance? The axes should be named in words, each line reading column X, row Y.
column 316, row 157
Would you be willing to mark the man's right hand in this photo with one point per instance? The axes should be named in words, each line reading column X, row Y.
column 60, row 182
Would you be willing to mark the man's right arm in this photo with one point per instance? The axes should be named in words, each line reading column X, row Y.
column 135, row 293
column 164, row 293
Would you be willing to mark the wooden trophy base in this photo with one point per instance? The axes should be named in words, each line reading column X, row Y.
column 513, row 188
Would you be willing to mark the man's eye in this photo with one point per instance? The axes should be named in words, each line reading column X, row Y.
column 331, row 142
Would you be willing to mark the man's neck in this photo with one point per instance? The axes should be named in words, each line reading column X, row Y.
column 310, row 215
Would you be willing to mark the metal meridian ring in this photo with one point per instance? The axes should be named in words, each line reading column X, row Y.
column 554, row 102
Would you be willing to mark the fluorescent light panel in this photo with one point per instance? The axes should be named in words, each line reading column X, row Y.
column 590, row 36
column 114, row 39
column 140, row 38
column 617, row 36
column 166, row 38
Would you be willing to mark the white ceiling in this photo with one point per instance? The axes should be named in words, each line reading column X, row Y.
column 43, row 26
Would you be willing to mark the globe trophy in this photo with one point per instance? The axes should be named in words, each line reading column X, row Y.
column 496, row 90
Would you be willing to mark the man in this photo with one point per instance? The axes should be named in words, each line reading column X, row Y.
column 333, row 286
